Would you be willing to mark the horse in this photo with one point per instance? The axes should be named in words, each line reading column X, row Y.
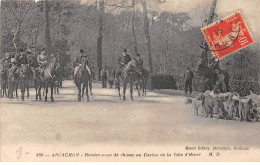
column 213, row 80
column 47, row 78
column 20, row 77
column 4, row 83
column 145, row 76
column 130, row 73
column 82, row 76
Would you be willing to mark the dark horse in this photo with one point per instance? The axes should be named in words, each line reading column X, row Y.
column 82, row 77
column 4, row 83
column 130, row 73
column 47, row 78
column 20, row 77
column 142, row 82
column 212, row 79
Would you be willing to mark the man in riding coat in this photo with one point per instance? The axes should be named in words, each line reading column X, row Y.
column 78, row 62
column 7, row 61
column 42, row 61
column 104, row 75
column 188, row 76
column 19, row 59
column 126, row 58
column 123, row 61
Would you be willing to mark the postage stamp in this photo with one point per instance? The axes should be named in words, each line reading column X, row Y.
column 227, row 36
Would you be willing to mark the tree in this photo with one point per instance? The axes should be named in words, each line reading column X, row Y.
column 100, row 37
column 18, row 12
column 133, row 27
column 47, row 28
column 204, row 55
column 147, row 36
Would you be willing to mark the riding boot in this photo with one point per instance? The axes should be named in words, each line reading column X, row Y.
column 34, row 76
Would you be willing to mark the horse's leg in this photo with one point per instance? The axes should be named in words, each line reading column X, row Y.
column 28, row 88
column 35, row 87
column 55, row 87
column 58, row 92
column 138, row 88
column 90, row 88
column 39, row 91
column 46, row 90
column 131, row 90
column 52, row 84
column 118, row 87
column 10, row 90
column 79, row 89
column 124, row 86
column 79, row 94
column 16, row 90
column 83, row 90
column 22, row 90
column 87, row 91
column 145, row 84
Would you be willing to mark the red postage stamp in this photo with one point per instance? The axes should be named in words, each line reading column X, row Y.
column 228, row 35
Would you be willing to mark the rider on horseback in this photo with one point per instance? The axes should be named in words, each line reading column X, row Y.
column 122, row 62
column 7, row 61
column 126, row 58
column 78, row 63
column 42, row 61
column 19, row 59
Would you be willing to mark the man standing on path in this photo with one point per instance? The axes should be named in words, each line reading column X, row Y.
column 188, row 76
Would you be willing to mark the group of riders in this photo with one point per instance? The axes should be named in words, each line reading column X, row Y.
column 37, row 63
column 12, row 62
column 121, row 63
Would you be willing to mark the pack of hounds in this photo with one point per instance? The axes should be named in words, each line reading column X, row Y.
column 227, row 106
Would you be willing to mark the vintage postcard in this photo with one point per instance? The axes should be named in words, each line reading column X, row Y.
column 130, row 81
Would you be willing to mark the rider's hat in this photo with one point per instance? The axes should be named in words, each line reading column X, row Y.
column 81, row 51
column 138, row 54
column 125, row 50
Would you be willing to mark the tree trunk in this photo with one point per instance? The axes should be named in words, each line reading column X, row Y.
column 147, row 36
column 133, row 27
column 1, row 48
column 210, row 20
column 35, row 38
column 100, row 37
column 47, row 28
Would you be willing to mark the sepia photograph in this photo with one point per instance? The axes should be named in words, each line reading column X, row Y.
column 130, row 81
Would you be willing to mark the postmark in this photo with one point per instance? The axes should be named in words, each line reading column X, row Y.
column 227, row 36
